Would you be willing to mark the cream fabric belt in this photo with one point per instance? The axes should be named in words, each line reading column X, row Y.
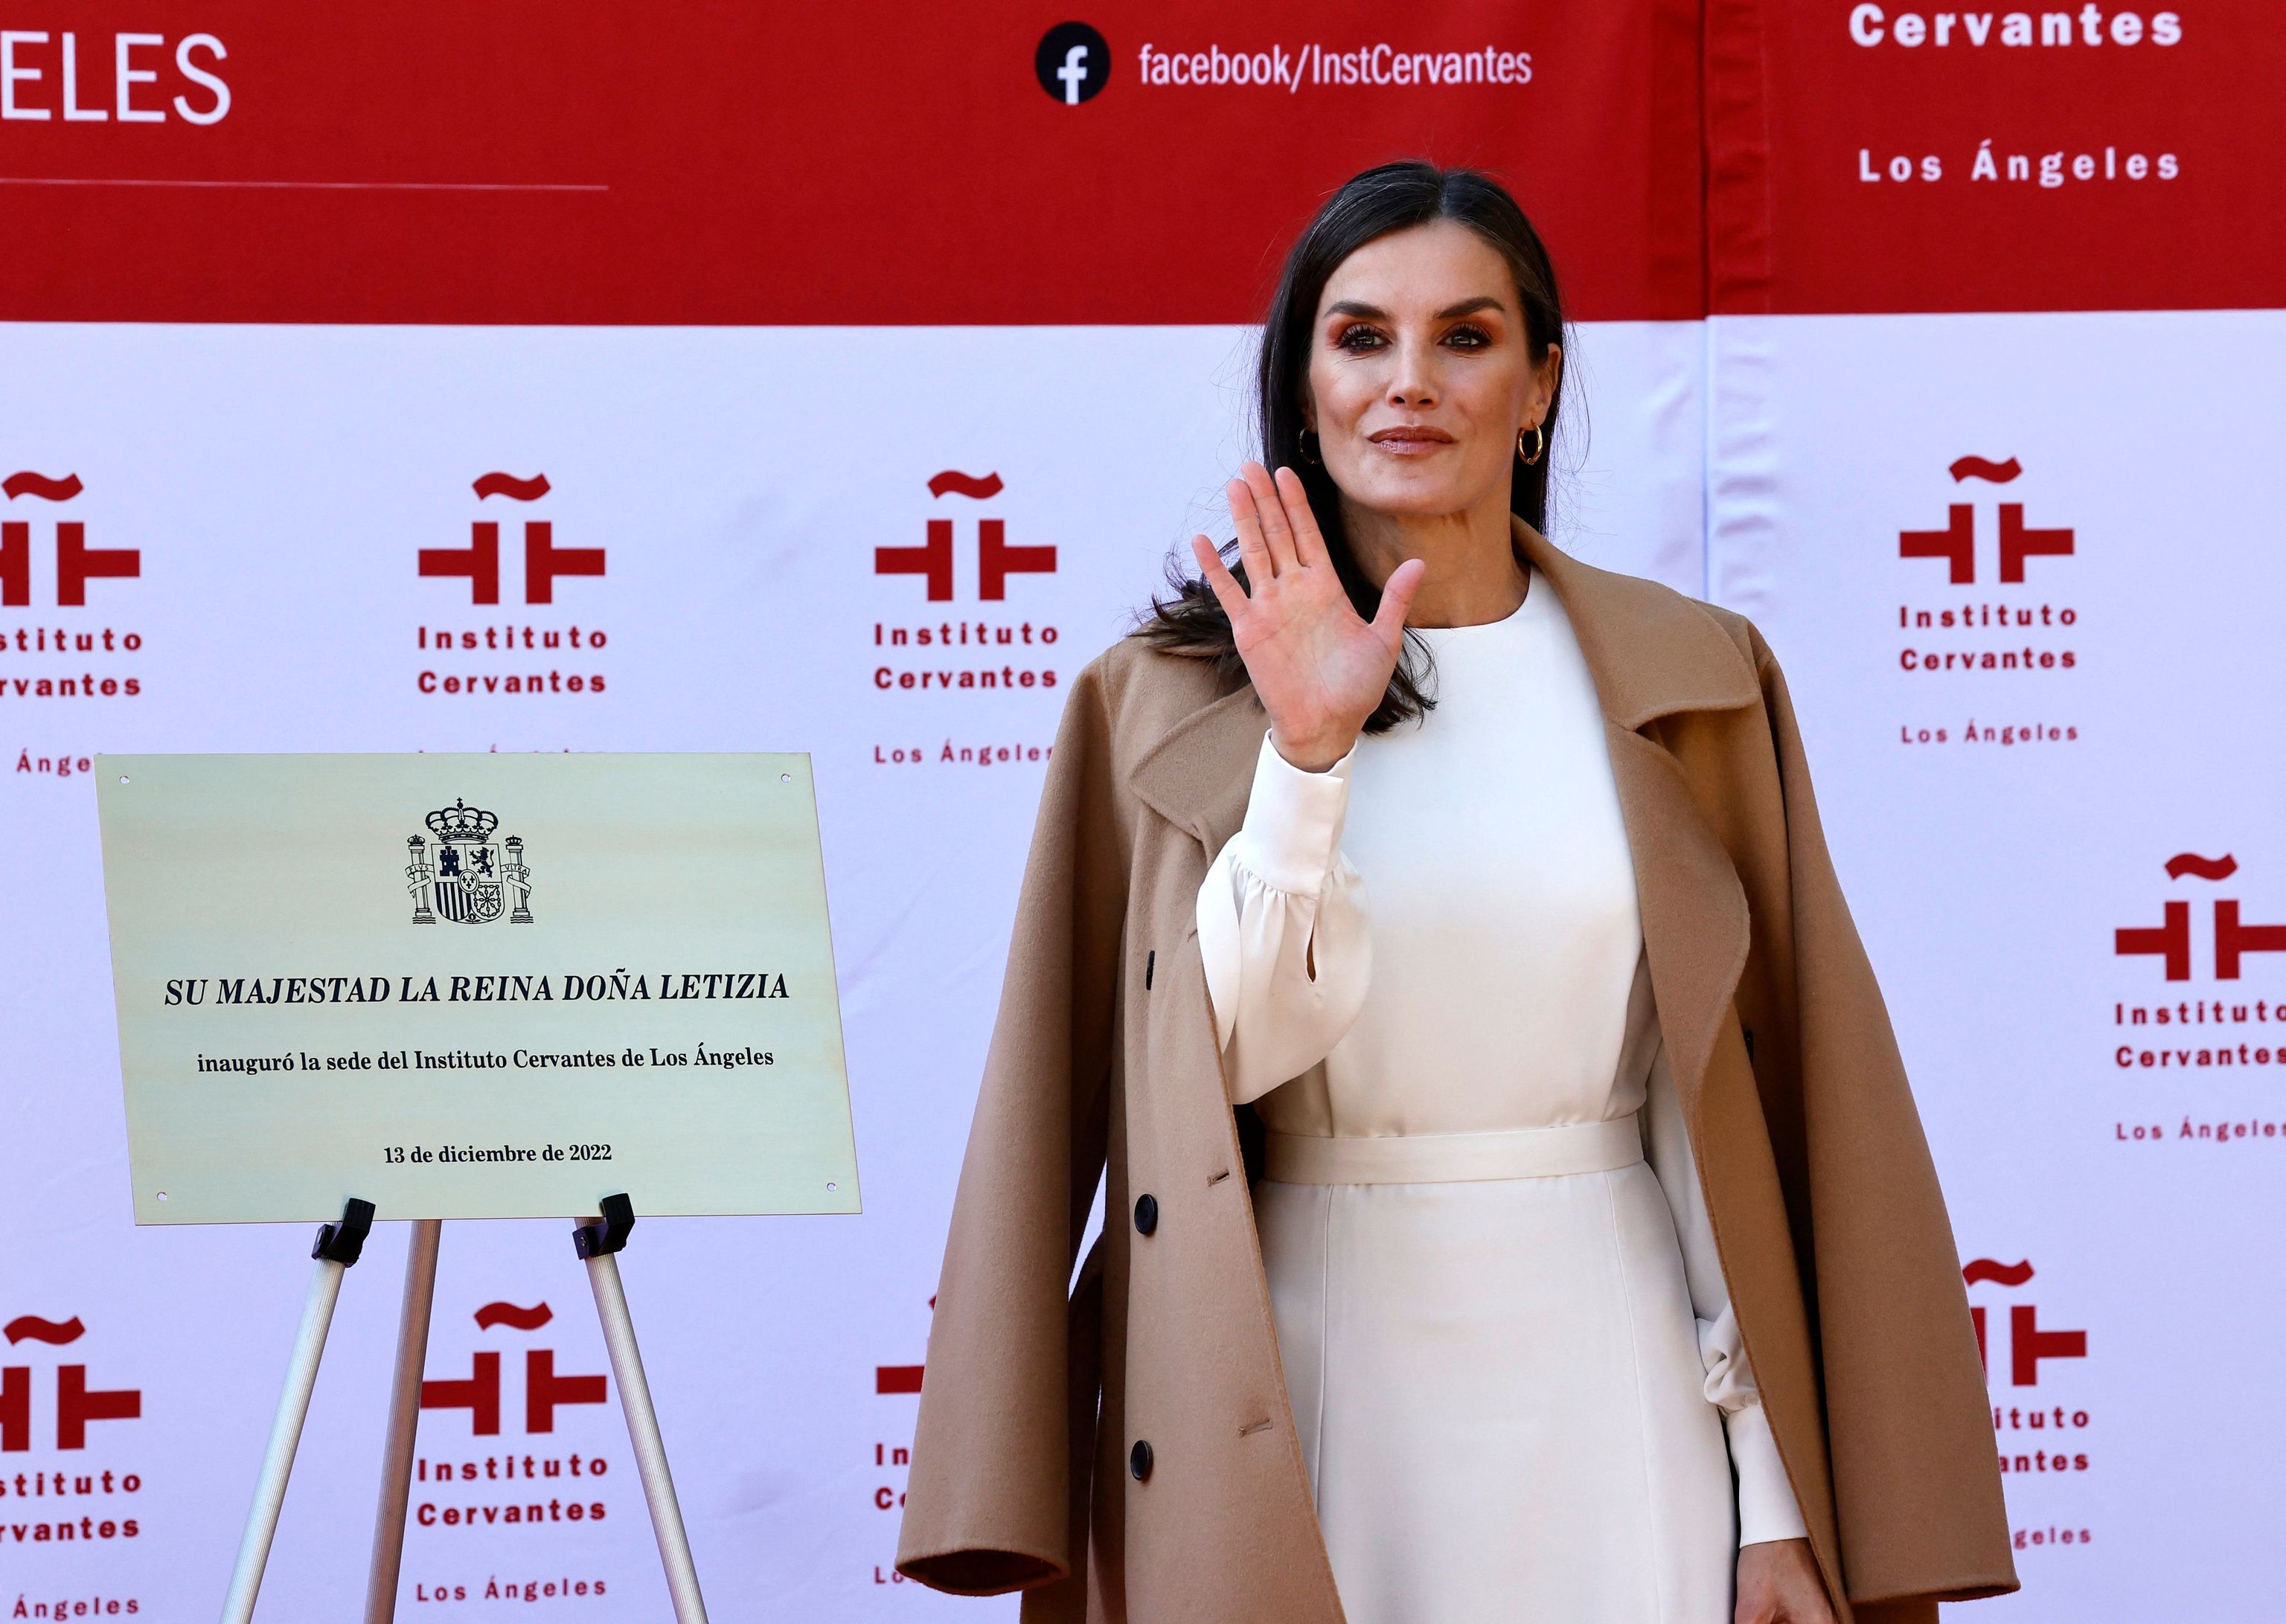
column 1447, row 1159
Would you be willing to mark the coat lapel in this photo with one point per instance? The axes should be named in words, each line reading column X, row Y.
column 1199, row 773
column 1653, row 653
column 1695, row 925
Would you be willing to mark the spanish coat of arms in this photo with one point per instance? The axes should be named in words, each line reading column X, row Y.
column 472, row 878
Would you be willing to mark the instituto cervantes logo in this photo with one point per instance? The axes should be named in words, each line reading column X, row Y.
column 1956, row 543
column 509, row 1488
column 77, row 1403
column 76, row 562
column 519, row 656
column 479, row 562
column 473, row 877
column 545, row 1392
column 2029, row 1346
column 2223, row 1027
column 979, row 651
column 2206, row 1021
column 1979, row 644
column 1073, row 63
column 2040, row 1434
column 64, row 661
column 995, row 559
column 61, row 1502
column 2170, row 941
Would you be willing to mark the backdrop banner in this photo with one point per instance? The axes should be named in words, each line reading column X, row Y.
column 1990, row 464
column 839, row 379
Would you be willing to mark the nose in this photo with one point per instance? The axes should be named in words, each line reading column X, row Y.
column 1413, row 384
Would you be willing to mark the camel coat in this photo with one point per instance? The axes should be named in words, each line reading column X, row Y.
column 1031, row 1468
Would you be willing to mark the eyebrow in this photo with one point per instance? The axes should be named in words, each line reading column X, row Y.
column 1369, row 312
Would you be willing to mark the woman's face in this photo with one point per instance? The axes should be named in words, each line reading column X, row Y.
column 1421, row 374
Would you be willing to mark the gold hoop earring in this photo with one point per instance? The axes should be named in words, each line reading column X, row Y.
column 1538, row 444
column 1308, row 442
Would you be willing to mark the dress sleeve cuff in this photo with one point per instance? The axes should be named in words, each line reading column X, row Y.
column 1766, row 1502
column 1293, row 822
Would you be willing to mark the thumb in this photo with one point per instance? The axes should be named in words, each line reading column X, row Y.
column 1397, row 599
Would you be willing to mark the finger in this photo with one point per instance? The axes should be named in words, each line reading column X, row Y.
column 1397, row 599
column 1309, row 545
column 1225, row 585
column 1271, row 508
column 1253, row 551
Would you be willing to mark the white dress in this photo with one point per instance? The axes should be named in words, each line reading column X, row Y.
column 1511, row 1353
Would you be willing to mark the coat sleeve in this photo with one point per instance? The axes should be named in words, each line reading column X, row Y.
column 988, row 1507
column 1915, row 1473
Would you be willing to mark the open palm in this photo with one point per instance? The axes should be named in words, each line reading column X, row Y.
column 1319, row 667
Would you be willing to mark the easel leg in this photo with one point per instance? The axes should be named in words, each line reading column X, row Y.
column 598, row 1243
column 404, row 1422
column 337, row 1248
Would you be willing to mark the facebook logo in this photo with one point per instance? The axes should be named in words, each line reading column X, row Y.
column 1073, row 73
column 1073, row 62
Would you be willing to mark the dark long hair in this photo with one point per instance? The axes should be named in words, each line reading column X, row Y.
column 1388, row 198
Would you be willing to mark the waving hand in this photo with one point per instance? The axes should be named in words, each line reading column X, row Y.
column 1318, row 668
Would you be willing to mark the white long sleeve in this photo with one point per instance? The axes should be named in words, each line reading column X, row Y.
column 1283, row 928
column 1767, row 1508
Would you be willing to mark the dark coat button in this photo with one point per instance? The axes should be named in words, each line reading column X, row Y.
column 1146, row 1213
column 1139, row 1460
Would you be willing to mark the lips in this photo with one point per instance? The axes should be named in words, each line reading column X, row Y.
column 1411, row 440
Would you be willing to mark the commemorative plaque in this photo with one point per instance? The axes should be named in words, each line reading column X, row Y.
column 473, row 985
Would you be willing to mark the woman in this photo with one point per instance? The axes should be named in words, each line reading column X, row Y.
column 1521, row 1213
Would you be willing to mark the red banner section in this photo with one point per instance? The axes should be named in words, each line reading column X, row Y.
column 1888, row 156
column 868, row 164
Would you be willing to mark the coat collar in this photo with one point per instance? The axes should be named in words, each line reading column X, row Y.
column 1653, row 653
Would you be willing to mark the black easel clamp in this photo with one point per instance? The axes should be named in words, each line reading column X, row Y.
column 344, row 1242
column 600, row 1240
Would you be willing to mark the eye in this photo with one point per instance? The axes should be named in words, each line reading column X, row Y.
column 1359, row 339
column 1469, row 336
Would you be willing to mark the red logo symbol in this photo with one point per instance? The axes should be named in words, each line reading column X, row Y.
column 2169, row 941
column 77, row 1403
column 543, row 559
column 995, row 559
column 1956, row 543
column 543, row 1389
column 2028, row 1344
column 77, row 563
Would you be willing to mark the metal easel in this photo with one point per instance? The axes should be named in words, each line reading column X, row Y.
column 338, row 1247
